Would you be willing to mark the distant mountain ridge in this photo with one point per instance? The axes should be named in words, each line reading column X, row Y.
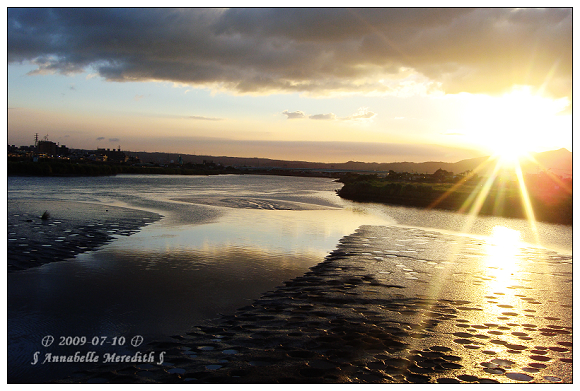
column 558, row 161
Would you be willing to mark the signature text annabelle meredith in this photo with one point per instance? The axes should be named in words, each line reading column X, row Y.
column 93, row 357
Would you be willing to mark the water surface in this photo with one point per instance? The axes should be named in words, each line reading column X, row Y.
column 222, row 242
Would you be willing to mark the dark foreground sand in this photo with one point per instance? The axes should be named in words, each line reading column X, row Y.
column 73, row 227
column 389, row 305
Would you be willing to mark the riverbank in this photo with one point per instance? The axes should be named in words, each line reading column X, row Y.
column 550, row 205
column 389, row 305
column 71, row 228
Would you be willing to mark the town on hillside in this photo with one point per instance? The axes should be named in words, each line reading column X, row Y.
column 46, row 149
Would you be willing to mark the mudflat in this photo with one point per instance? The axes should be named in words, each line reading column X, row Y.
column 389, row 305
column 69, row 229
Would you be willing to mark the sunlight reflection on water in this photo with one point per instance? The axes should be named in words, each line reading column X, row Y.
column 503, row 246
column 501, row 256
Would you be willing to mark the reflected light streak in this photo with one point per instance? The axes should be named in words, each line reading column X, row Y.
column 503, row 244
column 502, row 249
column 477, row 197
column 480, row 197
column 460, row 183
column 526, row 200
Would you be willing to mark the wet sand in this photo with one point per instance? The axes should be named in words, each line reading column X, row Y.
column 73, row 228
column 389, row 305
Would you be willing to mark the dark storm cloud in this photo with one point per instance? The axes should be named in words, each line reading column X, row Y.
column 320, row 51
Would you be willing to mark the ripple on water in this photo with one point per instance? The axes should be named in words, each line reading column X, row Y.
column 205, row 348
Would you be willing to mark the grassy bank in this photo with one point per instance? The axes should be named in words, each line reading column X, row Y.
column 503, row 199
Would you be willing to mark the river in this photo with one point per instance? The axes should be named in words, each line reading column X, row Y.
column 222, row 242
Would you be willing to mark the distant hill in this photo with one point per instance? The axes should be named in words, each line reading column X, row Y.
column 558, row 161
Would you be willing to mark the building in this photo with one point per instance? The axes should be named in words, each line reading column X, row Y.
column 62, row 150
column 114, row 156
column 45, row 147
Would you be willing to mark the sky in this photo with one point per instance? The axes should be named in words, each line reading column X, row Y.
column 314, row 84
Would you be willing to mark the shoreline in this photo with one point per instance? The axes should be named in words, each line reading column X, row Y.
column 559, row 212
column 386, row 306
column 72, row 228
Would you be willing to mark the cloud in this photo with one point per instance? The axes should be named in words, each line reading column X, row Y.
column 100, row 138
column 294, row 115
column 362, row 114
column 138, row 97
column 202, row 118
column 114, row 140
column 305, row 50
column 330, row 116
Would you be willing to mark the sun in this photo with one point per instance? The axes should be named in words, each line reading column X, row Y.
column 513, row 125
column 509, row 128
column 510, row 150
